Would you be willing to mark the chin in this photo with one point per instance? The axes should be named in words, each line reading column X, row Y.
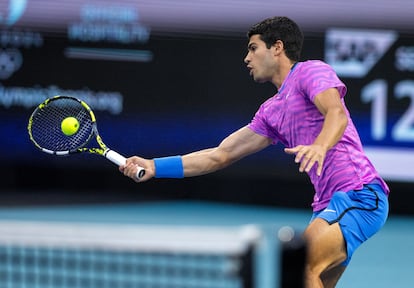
column 259, row 80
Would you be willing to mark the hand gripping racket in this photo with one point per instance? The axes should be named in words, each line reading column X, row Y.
column 48, row 132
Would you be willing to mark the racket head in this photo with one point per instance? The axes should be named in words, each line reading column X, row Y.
column 45, row 130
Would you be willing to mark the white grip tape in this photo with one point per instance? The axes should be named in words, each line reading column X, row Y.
column 118, row 159
column 115, row 157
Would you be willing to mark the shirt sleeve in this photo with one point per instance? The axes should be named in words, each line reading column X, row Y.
column 319, row 77
column 259, row 124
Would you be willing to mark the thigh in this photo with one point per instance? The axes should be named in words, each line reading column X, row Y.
column 326, row 246
column 360, row 214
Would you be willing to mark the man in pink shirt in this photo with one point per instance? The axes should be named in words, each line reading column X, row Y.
column 309, row 117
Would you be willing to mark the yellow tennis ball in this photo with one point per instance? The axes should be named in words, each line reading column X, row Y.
column 69, row 126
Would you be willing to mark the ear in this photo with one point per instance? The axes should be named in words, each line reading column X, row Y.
column 279, row 47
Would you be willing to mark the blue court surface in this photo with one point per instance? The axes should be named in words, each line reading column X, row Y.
column 383, row 261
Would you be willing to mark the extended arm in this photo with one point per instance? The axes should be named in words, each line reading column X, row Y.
column 237, row 145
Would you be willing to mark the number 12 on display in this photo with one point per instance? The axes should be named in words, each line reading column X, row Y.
column 376, row 93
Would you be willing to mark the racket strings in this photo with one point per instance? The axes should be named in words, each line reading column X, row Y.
column 46, row 122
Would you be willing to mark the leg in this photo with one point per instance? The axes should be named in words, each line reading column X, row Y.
column 357, row 210
column 331, row 277
column 326, row 251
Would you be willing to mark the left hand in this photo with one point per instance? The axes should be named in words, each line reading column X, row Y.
column 307, row 156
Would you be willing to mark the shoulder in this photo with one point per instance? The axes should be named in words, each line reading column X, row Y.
column 315, row 70
column 314, row 65
column 317, row 76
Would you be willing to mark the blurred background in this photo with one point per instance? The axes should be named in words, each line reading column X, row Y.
column 167, row 77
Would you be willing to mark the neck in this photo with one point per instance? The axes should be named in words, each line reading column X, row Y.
column 283, row 73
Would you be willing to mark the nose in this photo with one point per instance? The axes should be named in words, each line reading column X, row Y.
column 247, row 59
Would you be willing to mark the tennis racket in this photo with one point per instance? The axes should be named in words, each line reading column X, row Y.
column 47, row 131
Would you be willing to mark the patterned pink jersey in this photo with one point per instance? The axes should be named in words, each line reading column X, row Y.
column 290, row 117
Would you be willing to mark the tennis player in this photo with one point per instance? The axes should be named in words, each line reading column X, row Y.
column 309, row 117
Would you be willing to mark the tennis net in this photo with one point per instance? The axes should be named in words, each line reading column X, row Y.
column 55, row 254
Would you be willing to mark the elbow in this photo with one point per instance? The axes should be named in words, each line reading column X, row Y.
column 220, row 159
column 343, row 121
column 220, row 163
column 339, row 117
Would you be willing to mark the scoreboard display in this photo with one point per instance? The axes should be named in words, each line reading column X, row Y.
column 158, row 90
column 378, row 68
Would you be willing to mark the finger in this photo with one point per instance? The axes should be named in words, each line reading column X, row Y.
column 308, row 160
column 300, row 154
column 290, row 150
column 304, row 163
column 320, row 166
column 310, row 164
column 128, row 171
column 293, row 150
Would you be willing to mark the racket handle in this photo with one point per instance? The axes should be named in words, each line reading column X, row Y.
column 118, row 159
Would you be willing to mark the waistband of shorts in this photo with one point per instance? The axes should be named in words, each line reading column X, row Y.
column 376, row 187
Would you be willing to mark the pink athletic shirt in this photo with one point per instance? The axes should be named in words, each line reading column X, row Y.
column 292, row 118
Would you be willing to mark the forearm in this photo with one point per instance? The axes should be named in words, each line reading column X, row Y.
column 192, row 164
column 239, row 144
column 204, row 162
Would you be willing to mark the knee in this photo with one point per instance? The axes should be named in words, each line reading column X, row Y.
column 312, row 277
column 327, row 278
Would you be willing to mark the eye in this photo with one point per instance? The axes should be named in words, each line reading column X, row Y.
column 252, row 48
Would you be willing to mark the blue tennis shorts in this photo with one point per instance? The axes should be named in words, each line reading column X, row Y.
column 360, row 213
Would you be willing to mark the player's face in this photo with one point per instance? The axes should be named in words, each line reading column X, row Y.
column 260, row 60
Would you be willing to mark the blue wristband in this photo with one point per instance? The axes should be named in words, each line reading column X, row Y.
column 169, row 167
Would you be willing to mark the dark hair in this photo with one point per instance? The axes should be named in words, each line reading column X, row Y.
column 283, row 29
